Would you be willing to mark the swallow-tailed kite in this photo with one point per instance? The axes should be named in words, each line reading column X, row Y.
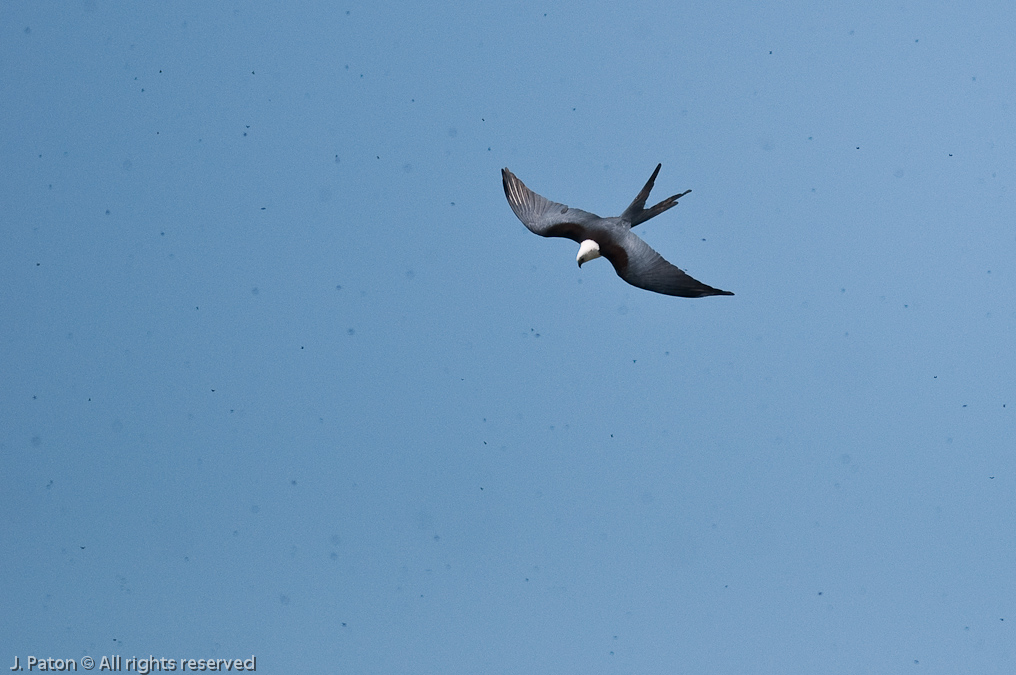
column 633, row 259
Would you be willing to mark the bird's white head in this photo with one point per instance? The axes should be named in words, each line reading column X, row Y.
column 588, row 250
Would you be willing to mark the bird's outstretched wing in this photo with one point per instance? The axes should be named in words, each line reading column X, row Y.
column 542, row 216
column 636, row 262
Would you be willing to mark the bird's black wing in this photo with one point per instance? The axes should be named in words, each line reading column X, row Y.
column 636, row 262
column 542, row 216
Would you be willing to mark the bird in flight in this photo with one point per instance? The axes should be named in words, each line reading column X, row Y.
column 633, row 259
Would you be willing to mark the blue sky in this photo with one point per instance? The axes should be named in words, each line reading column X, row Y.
column 284, row 375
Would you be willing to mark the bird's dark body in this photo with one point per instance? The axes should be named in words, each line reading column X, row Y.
column 633, row 259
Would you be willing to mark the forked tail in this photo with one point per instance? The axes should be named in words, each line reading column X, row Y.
column 638, row 213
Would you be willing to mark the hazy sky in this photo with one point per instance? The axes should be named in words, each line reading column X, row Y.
column 284, row 376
